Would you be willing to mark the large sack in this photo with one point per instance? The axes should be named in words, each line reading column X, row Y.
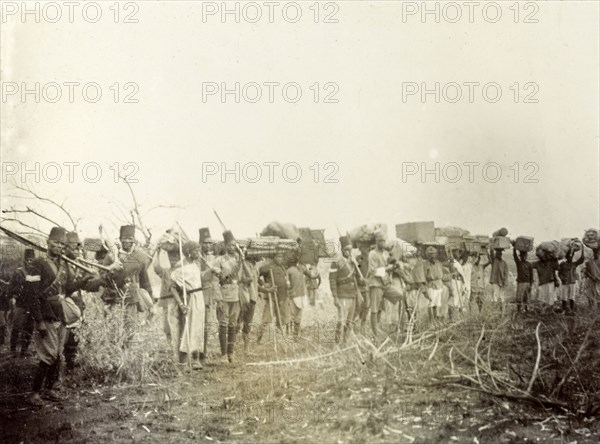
column 569, row 245
column 549, row 250
column 367, row 232
column 71, row 312
column 416, row 232
column 169, row 242
column 500, row 232
column 591, row 238
column 392, row 294
column 399, row 249
column 282, row 230
column 450, row 232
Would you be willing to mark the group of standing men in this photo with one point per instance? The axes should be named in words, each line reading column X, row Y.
column 361, row 285
column 228, row 287
column 48, row 302
column 196, row 285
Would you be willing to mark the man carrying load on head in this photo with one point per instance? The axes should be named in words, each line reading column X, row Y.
column 344, row 281
column 434, row 272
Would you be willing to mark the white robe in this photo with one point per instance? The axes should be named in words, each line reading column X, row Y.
column 192, row 338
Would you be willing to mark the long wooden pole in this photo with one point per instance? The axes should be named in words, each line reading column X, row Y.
column 276, row 302
column 187, row 318
column 32, row 244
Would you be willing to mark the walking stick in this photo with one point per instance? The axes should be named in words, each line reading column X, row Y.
column 187, row 323
column 276, row 302
column 271, row 310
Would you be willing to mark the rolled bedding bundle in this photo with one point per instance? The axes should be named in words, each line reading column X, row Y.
column 591, row 238
column 281, row 230
column 549, row 250
column 399, row 249
column 367, row 232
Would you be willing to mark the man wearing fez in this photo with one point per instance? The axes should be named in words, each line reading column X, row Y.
column 344, row 281
column 228, row 302
column 22, row 329
column 210, row 282
column 129, row 274
column 50, row 281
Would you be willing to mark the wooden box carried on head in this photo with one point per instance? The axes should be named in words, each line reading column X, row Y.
column 416, row 232
column 524, row 243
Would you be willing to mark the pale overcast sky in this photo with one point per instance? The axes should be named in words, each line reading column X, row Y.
column 369, row 57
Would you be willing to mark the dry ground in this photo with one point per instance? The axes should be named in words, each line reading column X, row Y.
column 397, row 397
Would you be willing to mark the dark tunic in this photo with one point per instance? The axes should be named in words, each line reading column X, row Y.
column 279, row 278
column 343, row 276
column 134, row 272
column 48, row 279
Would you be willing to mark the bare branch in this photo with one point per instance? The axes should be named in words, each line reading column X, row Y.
column 61, row 207
column 136, row 209
column 31, row 211
column 24, row 224
column 178, row 207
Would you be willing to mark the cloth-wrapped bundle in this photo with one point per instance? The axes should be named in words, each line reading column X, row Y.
column 281, row 230
column 591, row 238
column 450, row 232
column 367, row 232
column 169, row 241
column 549, row 250
column 569, row 245
column 399, row 249
column 500, row 232
column 392, row 294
